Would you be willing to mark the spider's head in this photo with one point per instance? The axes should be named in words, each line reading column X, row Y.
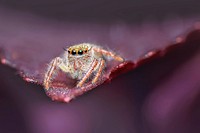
column 79, row 50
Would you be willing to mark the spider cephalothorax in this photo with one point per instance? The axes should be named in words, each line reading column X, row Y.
column 81, row 62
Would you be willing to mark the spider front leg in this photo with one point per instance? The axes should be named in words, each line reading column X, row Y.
column 89, row 72
column 99, row 72
column 54, row 65
column 108, row 53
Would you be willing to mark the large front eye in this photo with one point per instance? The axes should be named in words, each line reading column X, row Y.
column 80, row 52
column 73, row 52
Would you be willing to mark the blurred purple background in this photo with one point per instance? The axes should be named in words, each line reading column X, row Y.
column 161, row 96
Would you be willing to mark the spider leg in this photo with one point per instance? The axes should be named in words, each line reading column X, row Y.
column 89, row 72
column 52, row 69
column 101, row 66
column 108, row 53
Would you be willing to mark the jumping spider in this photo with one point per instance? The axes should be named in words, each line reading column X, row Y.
column 80, row 62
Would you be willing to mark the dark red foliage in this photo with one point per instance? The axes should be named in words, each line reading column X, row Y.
column 31, row 46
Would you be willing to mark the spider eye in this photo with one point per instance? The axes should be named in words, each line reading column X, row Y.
column 80, row 52
column 85, row 51
column 69, row 51
column 73, row 52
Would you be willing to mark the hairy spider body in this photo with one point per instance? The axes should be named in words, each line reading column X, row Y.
column 81, row 62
